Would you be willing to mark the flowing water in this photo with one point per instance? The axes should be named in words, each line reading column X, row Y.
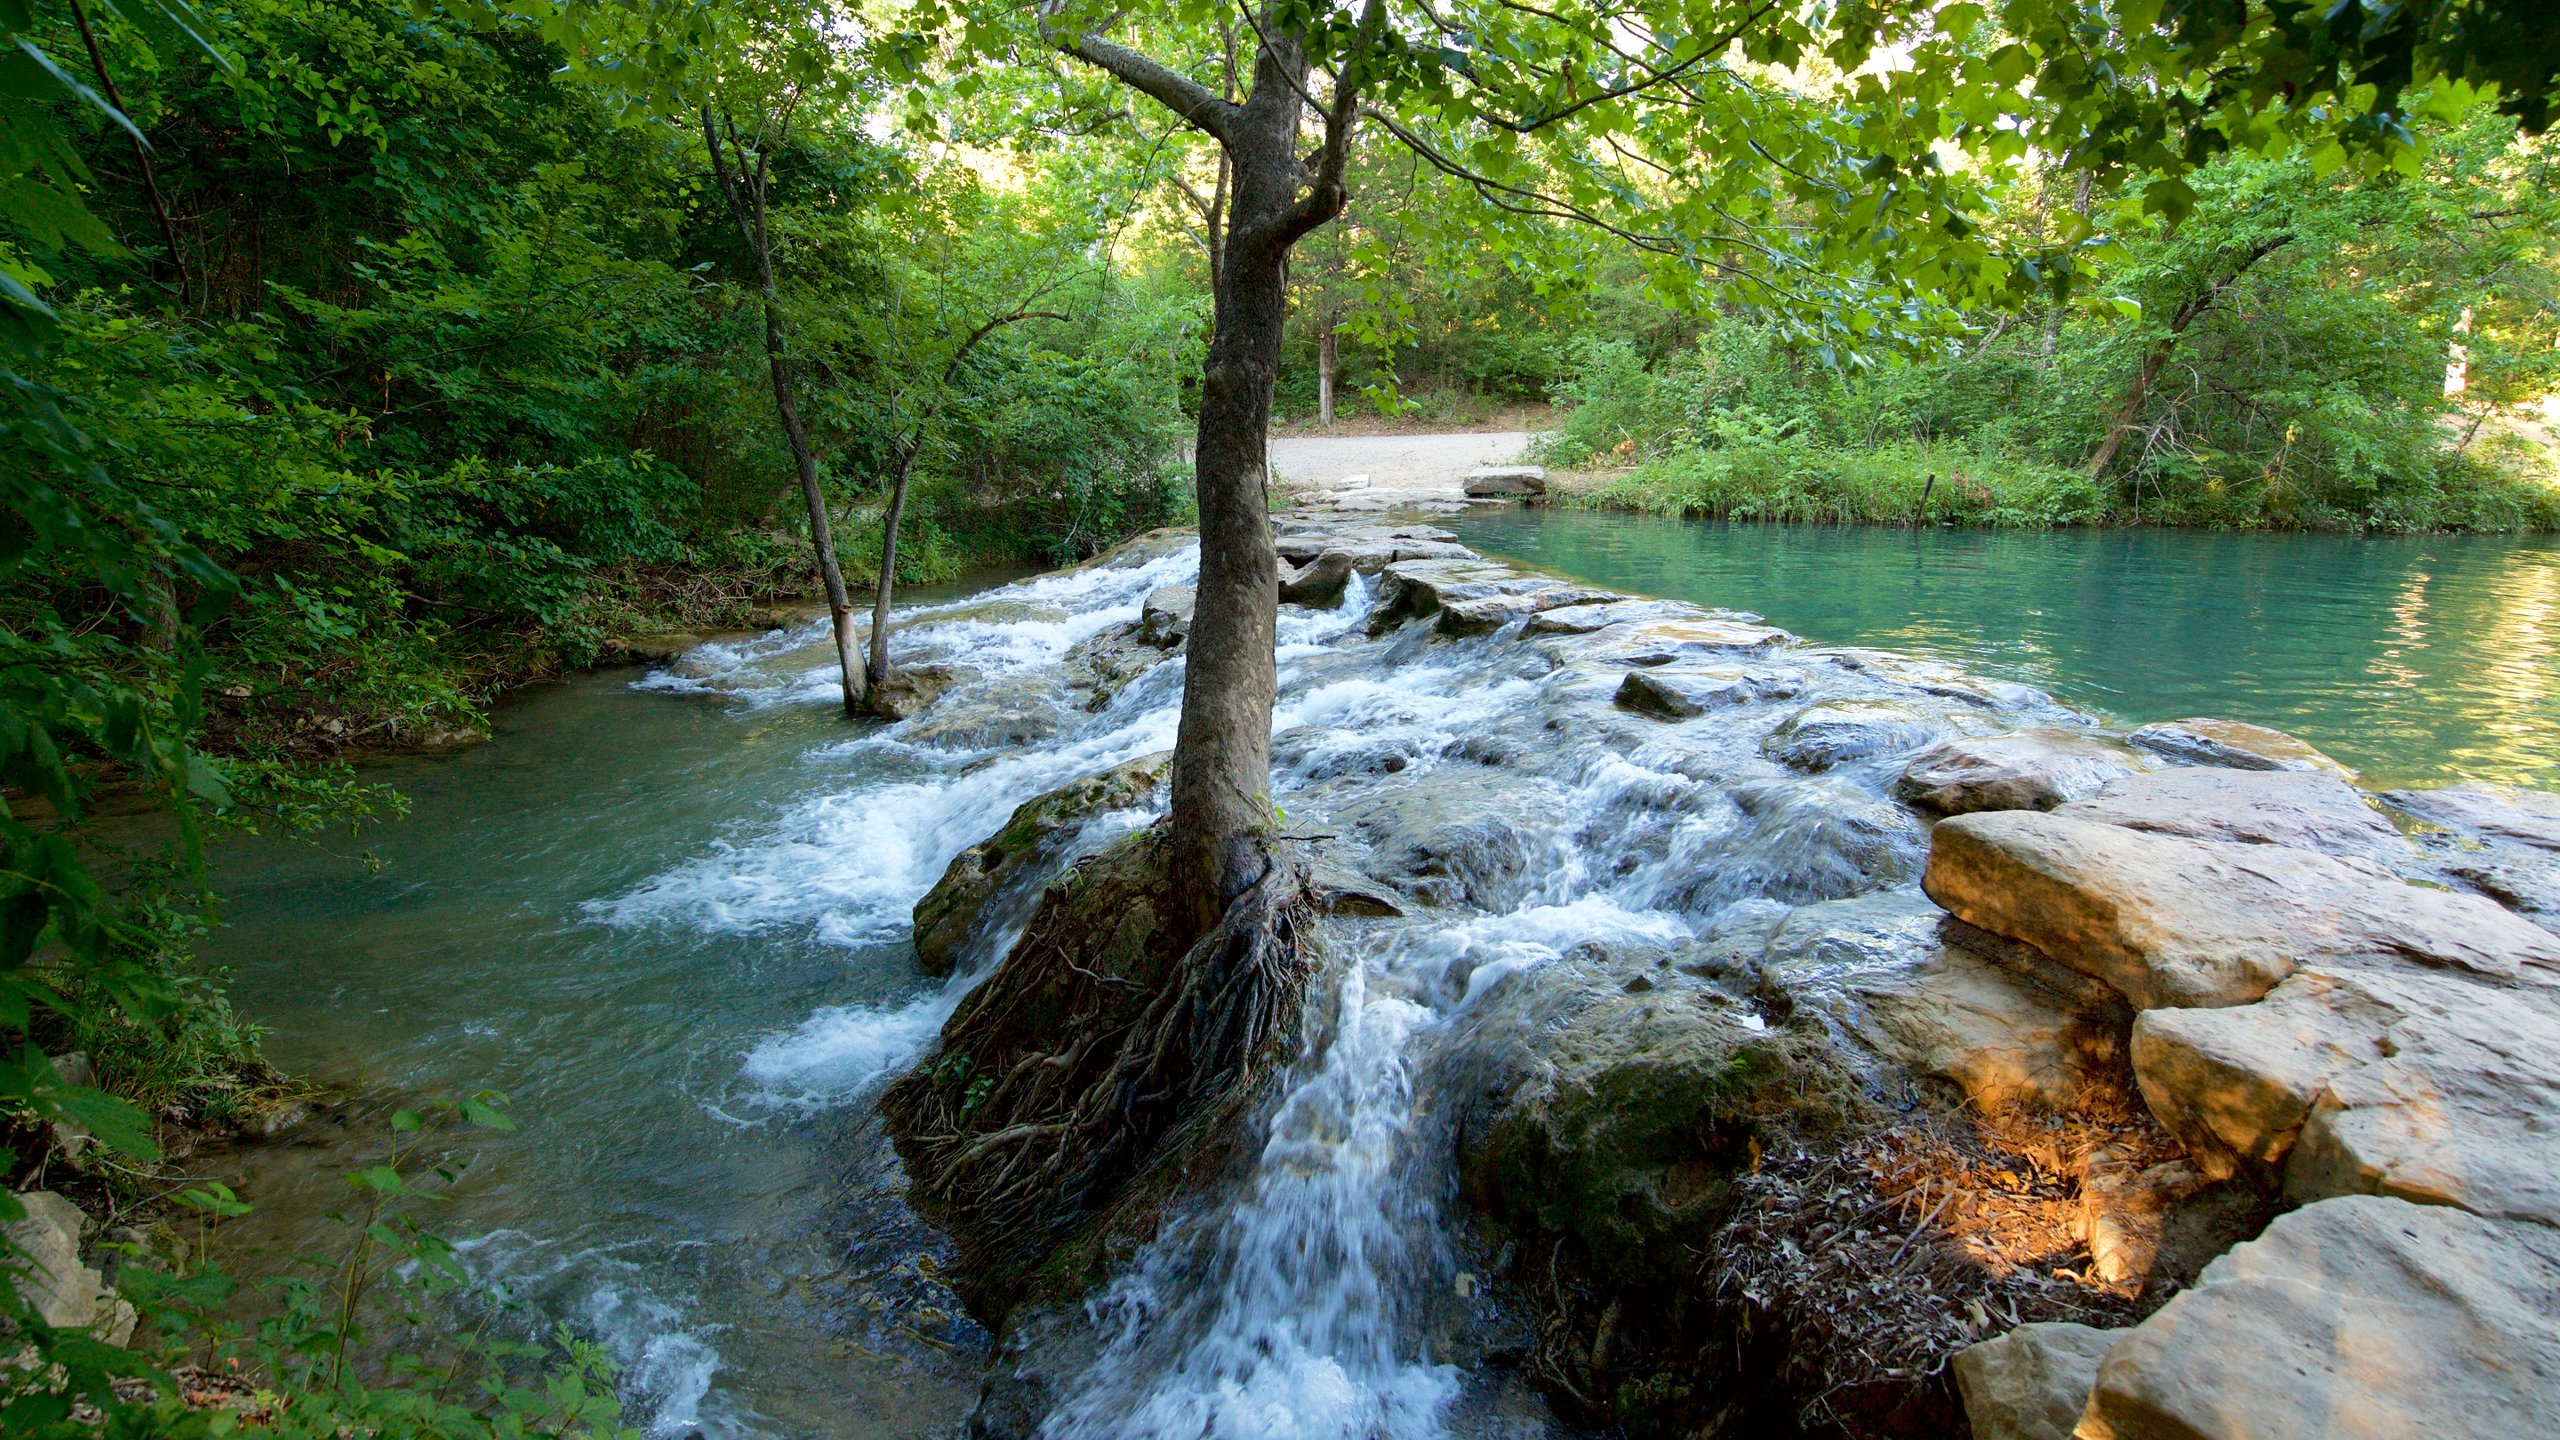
column 668, row 915
column 2417, row 659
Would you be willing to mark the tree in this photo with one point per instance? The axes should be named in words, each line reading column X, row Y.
column 743, row 169
column 1794, row 151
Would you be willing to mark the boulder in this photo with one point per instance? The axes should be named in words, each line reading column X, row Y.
column 1005, row 713
column 1320, row 585
column 2503, row 843
column 2125, row 1208
column 2490, row 812
column 949, row 915
column 1837, row 731
column 2358, row 1316
column 906, row 689
column 1618, row 1118
column 1165, row 618
column 1893, row 974
column 1372, row 548
column 2306, row 809
column 2020, row 770
column 1686, row 636
column 2032, row 1383
column 1491, row 482
column 1409, row 589
column 2232, row 745
column 1489, row 613
column 66, row 1294
column 1600, row 615
column 1679, row 692
column 2430, row 1087
column 2172, row 921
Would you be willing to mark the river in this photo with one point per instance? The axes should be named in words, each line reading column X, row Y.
column 665, row 913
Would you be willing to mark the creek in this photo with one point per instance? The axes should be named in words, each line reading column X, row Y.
column 667, row 914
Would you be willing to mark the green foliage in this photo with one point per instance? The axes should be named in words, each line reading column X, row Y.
column 324, row 1357
column 2283, row 353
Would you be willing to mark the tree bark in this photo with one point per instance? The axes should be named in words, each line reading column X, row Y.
column 1221, row 813
column 908, row 449
column 2138, row 394
column 745, row 191
column 1328, row 359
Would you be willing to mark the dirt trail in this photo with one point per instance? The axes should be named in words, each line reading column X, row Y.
column 1390, row 472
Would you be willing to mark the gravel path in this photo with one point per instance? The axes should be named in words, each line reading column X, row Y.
column 1389, row 472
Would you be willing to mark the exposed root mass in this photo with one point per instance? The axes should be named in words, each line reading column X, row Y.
column 1105, row 1051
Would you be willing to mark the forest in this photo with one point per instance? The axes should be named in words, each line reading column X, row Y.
column 367, row 360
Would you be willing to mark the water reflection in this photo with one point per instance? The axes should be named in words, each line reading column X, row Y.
column 2416, row 659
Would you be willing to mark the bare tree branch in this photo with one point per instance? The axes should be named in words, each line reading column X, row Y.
column 1170, row 88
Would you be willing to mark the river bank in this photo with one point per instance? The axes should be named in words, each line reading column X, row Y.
column 1946, row 483
column 675, row 920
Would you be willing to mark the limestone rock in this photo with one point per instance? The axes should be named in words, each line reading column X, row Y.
column 1320, row 585
column 2496, row 812
column 1503, row 481
column 1887, row 969
column 66, row 1294
column 2232, row 745
column 1165, row 618
column 906, row 689
column 2430, row 1087
column 1372, row 548
column 1613, row 1117
column 2031, row 1383
column 2306, row 809
column 1600, row 615
column 1489, row 613
column 1409, row 589
column 949, row 915
column 1679, row 692
column 2125, row 1210
column 2358, row 1316
column 1705, row 634
column 2503, row 843
column 1837, row 731
column 1339, row 891
column 2020, row 770
column 1004, row 713
column 2172, row 921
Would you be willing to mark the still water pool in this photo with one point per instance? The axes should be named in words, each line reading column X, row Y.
column 2414, row 659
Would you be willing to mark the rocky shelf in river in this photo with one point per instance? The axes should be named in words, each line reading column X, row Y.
column 1991, row 1066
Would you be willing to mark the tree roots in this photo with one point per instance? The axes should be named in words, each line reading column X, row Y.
column 1105, row 1050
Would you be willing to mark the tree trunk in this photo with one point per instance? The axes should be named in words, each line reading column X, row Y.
column 889, row 564
column 1222, row 752
column 1217, row 836
column 2139, row 393
column 1328, row 357
column 746, row 195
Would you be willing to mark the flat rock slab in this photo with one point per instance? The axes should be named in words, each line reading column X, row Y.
column 1409, row 589
column 1585, row 619
column 1504, row 481
column 2170, row 921
column 2032, row 1383
column 1887, row 971
column 1679, row 692
column 1489, row 613
column 2356, row 1317
column 2422, row 1085
column 2492, row 812
column 2306, row 809
column 2020, row 770
column 2233, row 745
column 1835, row 732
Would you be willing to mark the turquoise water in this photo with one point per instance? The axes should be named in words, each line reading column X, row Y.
column 2415, row 659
